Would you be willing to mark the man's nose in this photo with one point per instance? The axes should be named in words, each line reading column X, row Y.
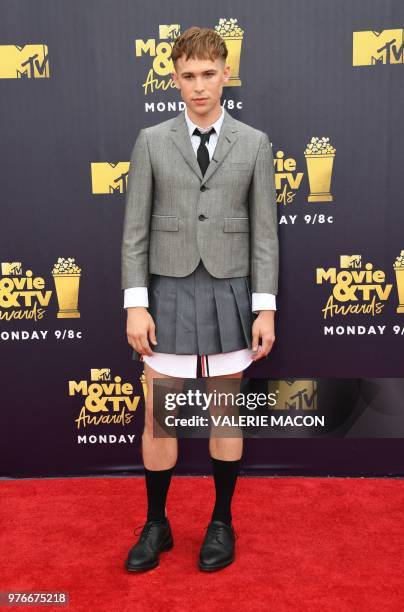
column 199, row 87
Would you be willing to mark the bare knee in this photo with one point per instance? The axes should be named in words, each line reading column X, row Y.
column 173, row 384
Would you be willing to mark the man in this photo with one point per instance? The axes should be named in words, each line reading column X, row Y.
column 200, row 229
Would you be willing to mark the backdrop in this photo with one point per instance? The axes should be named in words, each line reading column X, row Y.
column 324, row 79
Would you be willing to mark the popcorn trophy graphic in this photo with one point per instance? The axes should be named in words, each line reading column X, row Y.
column 319, row 159
column 66, row 275
column 233, row 37
column 399, row 270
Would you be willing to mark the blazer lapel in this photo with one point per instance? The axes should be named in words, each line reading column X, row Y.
column 180, row 136
column 227, row 138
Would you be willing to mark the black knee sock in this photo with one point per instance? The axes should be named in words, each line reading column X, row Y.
column 225, row 476
column 157, row 484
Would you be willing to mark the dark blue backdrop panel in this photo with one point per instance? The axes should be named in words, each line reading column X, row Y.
column 78, row 80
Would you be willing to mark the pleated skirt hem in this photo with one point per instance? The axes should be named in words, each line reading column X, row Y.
column 200, row 314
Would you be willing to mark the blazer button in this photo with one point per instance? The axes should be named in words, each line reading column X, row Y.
column 202, row 217
column 203, row 188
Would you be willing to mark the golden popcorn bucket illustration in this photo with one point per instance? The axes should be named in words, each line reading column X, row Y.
column 320, row 160
column 233, row 36
column 399, row 270
column 66, row 276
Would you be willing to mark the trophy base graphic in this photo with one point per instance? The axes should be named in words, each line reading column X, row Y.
column 400, row 308
column 67, row 291
column 235, row 82
column 319, row 168
column 320, row 197
column 68, row 314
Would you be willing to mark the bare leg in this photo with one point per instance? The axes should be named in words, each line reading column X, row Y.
column 158, row 453
column 226, row 449
column 159, row 458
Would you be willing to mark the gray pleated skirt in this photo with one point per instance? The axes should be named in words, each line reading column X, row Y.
column 200, row 314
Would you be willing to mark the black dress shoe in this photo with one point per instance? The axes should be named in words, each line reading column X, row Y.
column 218, row 547
column 155, row 537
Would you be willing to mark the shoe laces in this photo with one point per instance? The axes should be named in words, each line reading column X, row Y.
column 145, row 527
column 215, row 530
column 145, row 531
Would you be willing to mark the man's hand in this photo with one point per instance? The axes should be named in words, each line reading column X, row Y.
column 139, row 328
column 264, row 328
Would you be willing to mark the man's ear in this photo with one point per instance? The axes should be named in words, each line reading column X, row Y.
column 175, row 81
column 226, row 72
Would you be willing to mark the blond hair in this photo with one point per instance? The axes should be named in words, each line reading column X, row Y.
column 199, row 43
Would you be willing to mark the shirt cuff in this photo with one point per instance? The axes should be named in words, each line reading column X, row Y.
column 263, row 301
column 136, row 296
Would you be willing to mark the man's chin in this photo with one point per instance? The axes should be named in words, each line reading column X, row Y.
column 201, row 109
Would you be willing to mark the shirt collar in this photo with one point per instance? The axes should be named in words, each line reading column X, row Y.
column 191, row 125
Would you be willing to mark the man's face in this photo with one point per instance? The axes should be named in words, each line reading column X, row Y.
column 201, row 83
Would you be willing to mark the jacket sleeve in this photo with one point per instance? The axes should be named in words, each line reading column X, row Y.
column 136, row 225
column 264, row 246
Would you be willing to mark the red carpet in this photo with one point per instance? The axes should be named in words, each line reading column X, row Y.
column 303, row 544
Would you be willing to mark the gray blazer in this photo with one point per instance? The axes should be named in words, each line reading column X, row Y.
column 174, row 216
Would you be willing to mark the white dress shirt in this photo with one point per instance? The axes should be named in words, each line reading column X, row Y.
column 185, row 366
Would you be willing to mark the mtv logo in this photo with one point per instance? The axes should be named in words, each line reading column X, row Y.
column 101, row 374
column 24, row 61
column 107, row 177
column 297, row 394
column 372, row 47
column 350, row 261
column 170, row 32
column 13, row 268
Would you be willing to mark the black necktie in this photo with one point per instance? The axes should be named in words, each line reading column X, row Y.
column 202, row 153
